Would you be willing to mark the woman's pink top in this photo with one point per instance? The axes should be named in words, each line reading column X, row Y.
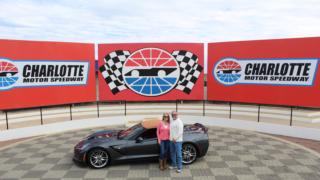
column 163, row 131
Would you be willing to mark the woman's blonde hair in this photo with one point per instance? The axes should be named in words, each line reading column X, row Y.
column 166, row 115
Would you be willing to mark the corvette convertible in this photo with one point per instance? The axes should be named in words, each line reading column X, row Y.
column 105, row 147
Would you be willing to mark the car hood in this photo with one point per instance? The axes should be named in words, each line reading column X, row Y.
column 104, row 134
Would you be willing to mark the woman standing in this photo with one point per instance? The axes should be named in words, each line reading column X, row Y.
column 163, row 134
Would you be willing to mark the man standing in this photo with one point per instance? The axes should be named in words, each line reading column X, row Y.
column 176, row 138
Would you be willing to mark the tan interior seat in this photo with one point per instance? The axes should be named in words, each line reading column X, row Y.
column 150, row 123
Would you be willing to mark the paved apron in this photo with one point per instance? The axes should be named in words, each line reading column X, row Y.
column 233, row 154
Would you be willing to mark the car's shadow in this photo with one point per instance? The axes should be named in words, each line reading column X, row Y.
column 135, row 162
column 119, row 163
column 80, row 165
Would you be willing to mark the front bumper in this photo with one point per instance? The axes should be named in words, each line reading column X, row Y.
column 79, row 156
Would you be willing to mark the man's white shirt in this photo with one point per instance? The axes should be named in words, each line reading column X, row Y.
column 176, row 130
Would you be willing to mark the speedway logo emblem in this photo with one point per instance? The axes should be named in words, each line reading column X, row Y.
column 8, row 74
column 25, row 73
column 294, row 72
column 228, row 71
column 151, row 71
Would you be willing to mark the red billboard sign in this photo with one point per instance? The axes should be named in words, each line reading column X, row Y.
column 280, row 72
column 45, row 73
column 151, row 71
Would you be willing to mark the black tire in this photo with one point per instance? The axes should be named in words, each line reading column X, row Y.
column 189, row 153
column 98, row 158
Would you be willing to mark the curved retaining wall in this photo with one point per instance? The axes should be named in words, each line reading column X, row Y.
column 268, row 114
column 295, row 122
column 294, row 131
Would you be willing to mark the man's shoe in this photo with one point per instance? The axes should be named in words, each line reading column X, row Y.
column 178, row 170
column 172, row 167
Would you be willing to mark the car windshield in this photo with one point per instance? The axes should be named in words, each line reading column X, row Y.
column 129, row 131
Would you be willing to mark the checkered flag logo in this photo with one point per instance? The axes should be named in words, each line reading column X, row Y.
column 190, row 70
column 112, row 70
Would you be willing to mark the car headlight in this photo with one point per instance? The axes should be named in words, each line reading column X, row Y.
column 84, row 146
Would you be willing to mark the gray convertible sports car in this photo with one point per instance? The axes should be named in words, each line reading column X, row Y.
column 108, row 146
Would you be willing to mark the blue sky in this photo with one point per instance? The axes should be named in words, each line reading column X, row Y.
column 106, row 21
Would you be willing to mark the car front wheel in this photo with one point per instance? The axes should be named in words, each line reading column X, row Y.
column 98, row 158
column 189, row 153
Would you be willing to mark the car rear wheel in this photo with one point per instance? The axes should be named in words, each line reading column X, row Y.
column 189, row 153
column 98, row 158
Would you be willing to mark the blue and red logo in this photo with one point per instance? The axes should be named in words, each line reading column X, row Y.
column 227, row 71
column 151, row 72
column 8, row 74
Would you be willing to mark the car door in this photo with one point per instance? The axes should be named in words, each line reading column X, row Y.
column 143, row 145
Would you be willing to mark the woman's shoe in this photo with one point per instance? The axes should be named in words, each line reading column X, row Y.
column 161, row 164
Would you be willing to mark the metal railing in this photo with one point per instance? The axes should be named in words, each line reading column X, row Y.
column 202, row 108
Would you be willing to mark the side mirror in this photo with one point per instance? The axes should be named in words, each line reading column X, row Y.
column 139, row 140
